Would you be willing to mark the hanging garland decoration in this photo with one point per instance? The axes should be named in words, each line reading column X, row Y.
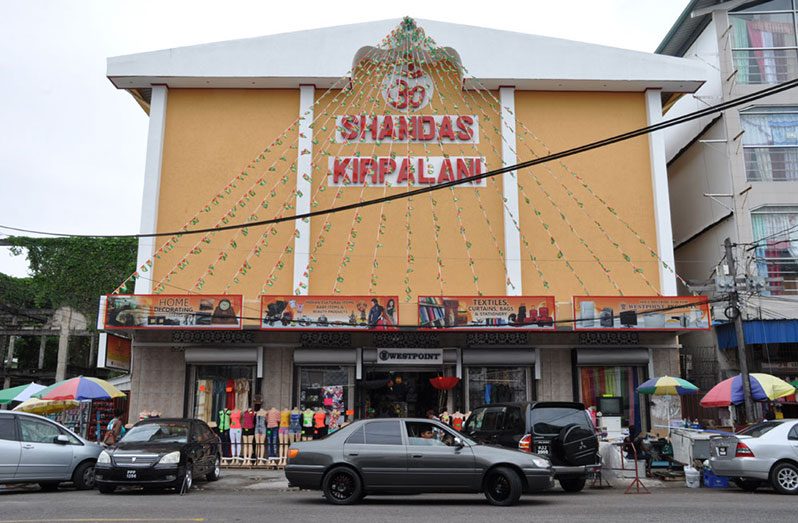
column 562, row 215
column 455, row 200
column 536, row 212
column 170, row 243
column 327, row 226
column 587, row 187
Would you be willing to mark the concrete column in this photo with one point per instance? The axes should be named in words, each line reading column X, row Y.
column 512, row 236
column 9, row 360
column 63, row 348
column 42, row 347
column 92, row 351
column 303, row 188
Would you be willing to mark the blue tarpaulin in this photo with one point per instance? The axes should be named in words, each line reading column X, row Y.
column 758, row 332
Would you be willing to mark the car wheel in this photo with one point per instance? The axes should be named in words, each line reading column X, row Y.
column 748, row 485
column 49, row 486
column 106, row 489
column 572, row 484
column 216, row 471
column 83, row 477
column 785, row 478
column 188, row 479
column 503, row 487
column 342, row 486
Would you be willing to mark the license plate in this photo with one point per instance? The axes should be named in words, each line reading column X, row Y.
column 721, row 451
column 543, row 449
column 131, row 474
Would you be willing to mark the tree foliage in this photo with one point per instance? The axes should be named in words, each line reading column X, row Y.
column 71, row 271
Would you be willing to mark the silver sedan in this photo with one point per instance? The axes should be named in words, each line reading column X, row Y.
column 763, row 453
column 34, row 449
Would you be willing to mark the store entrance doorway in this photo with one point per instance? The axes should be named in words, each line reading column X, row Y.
column 400, row 394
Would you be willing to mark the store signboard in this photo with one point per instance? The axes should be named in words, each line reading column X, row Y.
column 115, row 351
column 409, row 356
column 649, row 313
column 173, row 311
column 329, row 312
column 490, row 312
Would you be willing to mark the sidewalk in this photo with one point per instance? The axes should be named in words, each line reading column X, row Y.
column 247, row 479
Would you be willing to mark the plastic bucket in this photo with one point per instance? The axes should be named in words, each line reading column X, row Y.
column 692, row 477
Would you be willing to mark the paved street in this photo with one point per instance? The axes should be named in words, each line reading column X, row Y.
column 235, row 501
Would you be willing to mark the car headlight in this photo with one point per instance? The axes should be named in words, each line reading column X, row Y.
column 172, row 458
column 540, row 462
column 104, row 458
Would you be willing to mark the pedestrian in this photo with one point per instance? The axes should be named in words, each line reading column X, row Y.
column 769, row 414
column 115, row 429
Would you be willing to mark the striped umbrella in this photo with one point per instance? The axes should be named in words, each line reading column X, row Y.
column 764, row 387
column 667, row 386
column 80, row 388
column 20, row 393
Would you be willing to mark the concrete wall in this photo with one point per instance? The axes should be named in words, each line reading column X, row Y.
column 556, row 380
column 278, row 378
column 157, row 381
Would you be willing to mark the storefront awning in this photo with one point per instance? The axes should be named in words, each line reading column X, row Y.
column 758, row 332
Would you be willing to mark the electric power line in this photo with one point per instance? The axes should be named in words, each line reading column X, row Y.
column 452, row 183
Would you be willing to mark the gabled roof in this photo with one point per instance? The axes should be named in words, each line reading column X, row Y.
column 323, row 56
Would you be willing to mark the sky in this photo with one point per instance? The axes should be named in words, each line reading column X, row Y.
column 72, row 146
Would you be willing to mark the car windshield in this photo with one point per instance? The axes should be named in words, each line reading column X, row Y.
column 158, row 432
column 758, row 429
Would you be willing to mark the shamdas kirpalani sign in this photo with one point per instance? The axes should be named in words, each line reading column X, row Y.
column 409, row 89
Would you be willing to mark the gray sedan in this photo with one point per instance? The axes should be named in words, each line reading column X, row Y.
column 412, row 456
column 763, row 453
column 34, row 449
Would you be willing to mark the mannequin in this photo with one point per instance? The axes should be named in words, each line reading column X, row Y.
column 295, row 427
column 223, row 422
column 235, row 434
column 248, row 432
column 260, row 432
column 319, row 423
column 457, row 421
column 307, row 424
column 272, row 425
column 285, row 421
column 334, row 421
column 445, row 417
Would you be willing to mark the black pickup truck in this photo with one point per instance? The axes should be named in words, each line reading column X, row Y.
column 563, row 431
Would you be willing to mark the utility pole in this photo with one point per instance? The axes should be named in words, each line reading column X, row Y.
column 734, row 304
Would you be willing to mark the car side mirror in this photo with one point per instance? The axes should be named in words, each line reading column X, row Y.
column 458, row 443
column 61, row 439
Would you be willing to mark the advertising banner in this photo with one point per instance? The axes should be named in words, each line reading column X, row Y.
column 656, row 313
column 117, row 352
column 173, row 311
column 492, row 312
column 329, row 312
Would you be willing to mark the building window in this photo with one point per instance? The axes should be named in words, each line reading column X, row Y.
column 217, row 387
column 764, row 43
column 325, row 388
column 770, row 143
column 488, row 385
column 776, row 240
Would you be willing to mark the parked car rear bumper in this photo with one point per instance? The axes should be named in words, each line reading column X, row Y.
column 304, row 476
column 567, row 472
column 741, row 468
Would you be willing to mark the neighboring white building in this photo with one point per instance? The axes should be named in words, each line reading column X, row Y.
column 735, row 174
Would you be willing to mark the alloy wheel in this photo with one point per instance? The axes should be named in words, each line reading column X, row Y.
column 500, row 487
column 217, row 467
column 342, row 486
column 88, row 477
column 189, row 479
column 788, row 478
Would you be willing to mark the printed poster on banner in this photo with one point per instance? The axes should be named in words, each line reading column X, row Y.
column 491, row 312
column 117, row 352
column 329, row 312
column 674, row 313
column 173, row 311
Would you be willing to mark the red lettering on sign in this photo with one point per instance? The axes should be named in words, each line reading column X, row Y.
column 366, row 168
column 426, row 131
column 386, row 129
column 385, row 166
column 446, row 174
column 405, row 172
column 445, row 130
column 465, row 131
column 401, row 134
column 349, row 125
column 465, row 167
column 340, row 166
column 422, row 178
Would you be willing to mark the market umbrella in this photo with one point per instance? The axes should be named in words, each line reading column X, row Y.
column 764, row 387
column 20, row 393
column 80, row 388
column 667, row 386
column 37, row 406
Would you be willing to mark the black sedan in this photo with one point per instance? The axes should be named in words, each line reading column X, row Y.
column 161, row 453
column 412, row 456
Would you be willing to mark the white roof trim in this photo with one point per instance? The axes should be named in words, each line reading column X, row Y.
column 323, row 56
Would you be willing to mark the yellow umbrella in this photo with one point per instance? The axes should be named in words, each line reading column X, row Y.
column 37, row 406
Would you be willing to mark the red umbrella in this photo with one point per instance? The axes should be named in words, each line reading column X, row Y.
column 444, row 382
